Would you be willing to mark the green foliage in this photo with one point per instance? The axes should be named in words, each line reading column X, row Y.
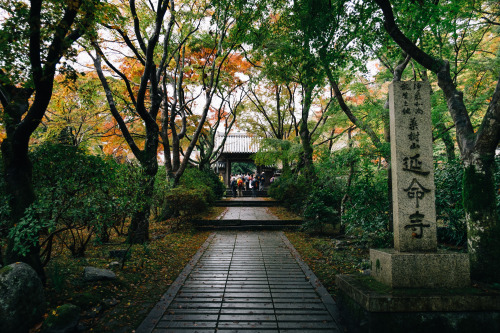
column 449, row 206
column 323, row 204
column 241, row 168
column 185, row 201
column 322, row 208
column 366, row 207
column 79, row 195
column 15, row 34
column 162, row 186
column 25, row 233
column 276, row 151
column 125, row 193
column 194, row 178
column 77, row 192
column 197, row 190
column 317, row 200
column 292, row 190
column 366, row 214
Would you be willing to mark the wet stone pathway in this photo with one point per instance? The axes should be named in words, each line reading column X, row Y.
column 244, row 282
column 248, row 214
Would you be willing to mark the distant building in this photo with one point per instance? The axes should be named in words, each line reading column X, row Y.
column 238, row 147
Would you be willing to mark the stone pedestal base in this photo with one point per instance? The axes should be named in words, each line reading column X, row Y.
column 368, row 306
column 441, row 269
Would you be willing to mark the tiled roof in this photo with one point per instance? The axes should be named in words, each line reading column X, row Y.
column 238, row 143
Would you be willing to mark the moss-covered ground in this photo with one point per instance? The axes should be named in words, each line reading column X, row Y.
column 122, row 304
column 282, row 213
column 326, row 259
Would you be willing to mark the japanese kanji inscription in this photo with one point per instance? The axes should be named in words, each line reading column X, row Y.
column 412, row 167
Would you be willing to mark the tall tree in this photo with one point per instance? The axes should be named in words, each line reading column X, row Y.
column 477, row 149
column 273, row 108
column 33, row 38
column 212, row 54
column 212, row 138
column 77, row 114
column 143, row 98
column 207, row 63
column 161, row 39
column 285, row 40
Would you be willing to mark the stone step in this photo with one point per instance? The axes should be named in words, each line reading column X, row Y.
column 247, row 224
column 235, row 202
column 246, row 193
column 253, row 227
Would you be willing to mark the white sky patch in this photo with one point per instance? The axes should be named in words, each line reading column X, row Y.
column 371, row 65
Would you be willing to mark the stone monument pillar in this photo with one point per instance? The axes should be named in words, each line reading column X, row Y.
column 415, row 261
column 412, row 167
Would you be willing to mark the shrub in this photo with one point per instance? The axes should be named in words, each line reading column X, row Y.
column 72, row 190
column 292, row 190
column 124, row 197
column 321, row 209
column 449, row 206
column 323, row 203
column 78, row 196
column 366, row 213
column 4, row 210
column 187, row 201
column 194, row 178
column 162, row 186
column 197, row 190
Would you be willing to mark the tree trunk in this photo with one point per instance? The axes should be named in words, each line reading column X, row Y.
column 138, row 231
column 346, row 196
column 483, row 229
column 18, row 178
column 445, row 135
column 305, row 139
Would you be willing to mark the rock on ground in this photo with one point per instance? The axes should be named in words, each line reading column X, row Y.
column 114, row 265
column 97, row 274
column 22, row 301
column 63, row 320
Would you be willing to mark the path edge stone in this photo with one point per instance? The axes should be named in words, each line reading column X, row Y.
column 154, row 316
column 325, row 296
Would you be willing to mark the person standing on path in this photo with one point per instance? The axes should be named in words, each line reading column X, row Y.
column 240, row 183
column 247, row 182
column 255, row 185
column 233, row 186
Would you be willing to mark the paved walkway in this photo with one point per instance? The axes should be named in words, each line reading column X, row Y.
column 248, row 214
column 244, row 282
